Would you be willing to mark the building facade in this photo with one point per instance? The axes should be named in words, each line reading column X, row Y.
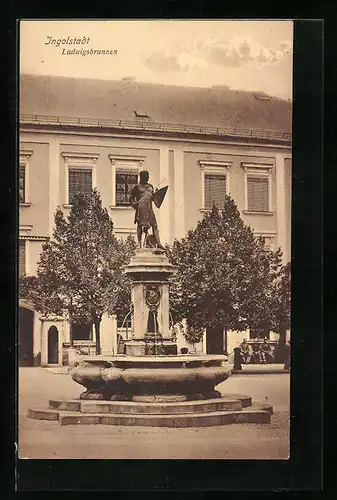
column 204, row 143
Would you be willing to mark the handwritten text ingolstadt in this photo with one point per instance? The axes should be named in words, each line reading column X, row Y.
column 84, row 40
column 58, row 42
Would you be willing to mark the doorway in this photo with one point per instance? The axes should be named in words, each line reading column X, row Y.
column 53, row 346
column 26, row 329
column 214, row 341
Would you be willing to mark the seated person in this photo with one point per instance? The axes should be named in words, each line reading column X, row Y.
column 265, row 350
column 256, row 354
column 245, row 352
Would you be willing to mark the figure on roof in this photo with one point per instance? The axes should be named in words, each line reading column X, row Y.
column 142, row 196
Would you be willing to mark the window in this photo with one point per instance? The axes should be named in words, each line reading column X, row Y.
column 22, row 257
column 80, row 174
column 258, row 194
column 214, row 183
column 125, row 181
column 261, row 96
column 22, row 184
column 215, row 190
column 258, row 188
column 81, row 332
column 259, row 334
column 80, row 181
column 125, row 173
column 142, row 113
column 24, row 177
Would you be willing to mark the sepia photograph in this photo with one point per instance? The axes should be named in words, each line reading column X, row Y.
column 154, row 239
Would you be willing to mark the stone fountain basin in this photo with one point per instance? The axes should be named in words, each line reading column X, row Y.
column 107, row 377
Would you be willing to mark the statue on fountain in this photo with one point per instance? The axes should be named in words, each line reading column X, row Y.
column 142, row 196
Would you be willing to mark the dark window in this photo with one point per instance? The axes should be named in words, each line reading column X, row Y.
column 80, row 181
column 22, row 257
column 22, row 184
column 125, row 181
column 215, row 190
column 259, row 334
column 81, row 332
column 141, row 114
column 258, row 194
column 261, row 96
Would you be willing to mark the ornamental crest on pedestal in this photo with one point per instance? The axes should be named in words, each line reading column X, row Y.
column 152, row 297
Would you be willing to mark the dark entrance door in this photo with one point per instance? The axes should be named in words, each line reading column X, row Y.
column 214, row 341
column 53, row 345
column 26, row 322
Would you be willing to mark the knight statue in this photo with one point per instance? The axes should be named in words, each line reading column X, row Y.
column 141, row 198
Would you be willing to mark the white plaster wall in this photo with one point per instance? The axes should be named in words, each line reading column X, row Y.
column 234, row 339
column 288, row 336
column 33, row 256
column 182, row 342
column 274, row 336
column 108, row 334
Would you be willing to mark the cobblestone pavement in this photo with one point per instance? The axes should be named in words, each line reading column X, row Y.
column 47, row 439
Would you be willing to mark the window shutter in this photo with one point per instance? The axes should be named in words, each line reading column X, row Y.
column 125, row 181
column 258, row 199
column 80, row 181
column 22, row 184
column 22, row 257
column 215, row 190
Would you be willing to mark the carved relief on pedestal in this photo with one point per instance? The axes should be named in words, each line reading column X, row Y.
column 152, row 298
column 153, row 338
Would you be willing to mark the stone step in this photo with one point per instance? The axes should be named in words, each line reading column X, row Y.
column 143, row 408
column 159, row 408
column 227, row 402
column 43, row 414
column 258, row 413
column 65, row 405
column 264, row 407
column 251, row 415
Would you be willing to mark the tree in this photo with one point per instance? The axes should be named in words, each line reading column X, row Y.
column 80, row 272
column 193, row 334
column 224, row 274
column 281, row 307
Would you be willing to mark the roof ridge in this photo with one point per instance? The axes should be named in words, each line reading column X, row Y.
column 214, row 88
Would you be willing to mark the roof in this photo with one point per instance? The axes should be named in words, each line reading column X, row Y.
column 148, row 104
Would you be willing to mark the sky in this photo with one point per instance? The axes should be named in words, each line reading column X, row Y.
column 244, row 55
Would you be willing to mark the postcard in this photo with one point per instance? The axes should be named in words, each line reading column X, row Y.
column 155, row 181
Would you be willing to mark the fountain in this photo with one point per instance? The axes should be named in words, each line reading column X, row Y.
column 151, row 384
column 151, row 370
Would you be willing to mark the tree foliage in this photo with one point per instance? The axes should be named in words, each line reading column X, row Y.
column 225, row 275
column 282, row 300
column 80, row 272
column 281, row 307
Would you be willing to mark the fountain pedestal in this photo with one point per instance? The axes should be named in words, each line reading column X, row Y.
column 149, row 270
